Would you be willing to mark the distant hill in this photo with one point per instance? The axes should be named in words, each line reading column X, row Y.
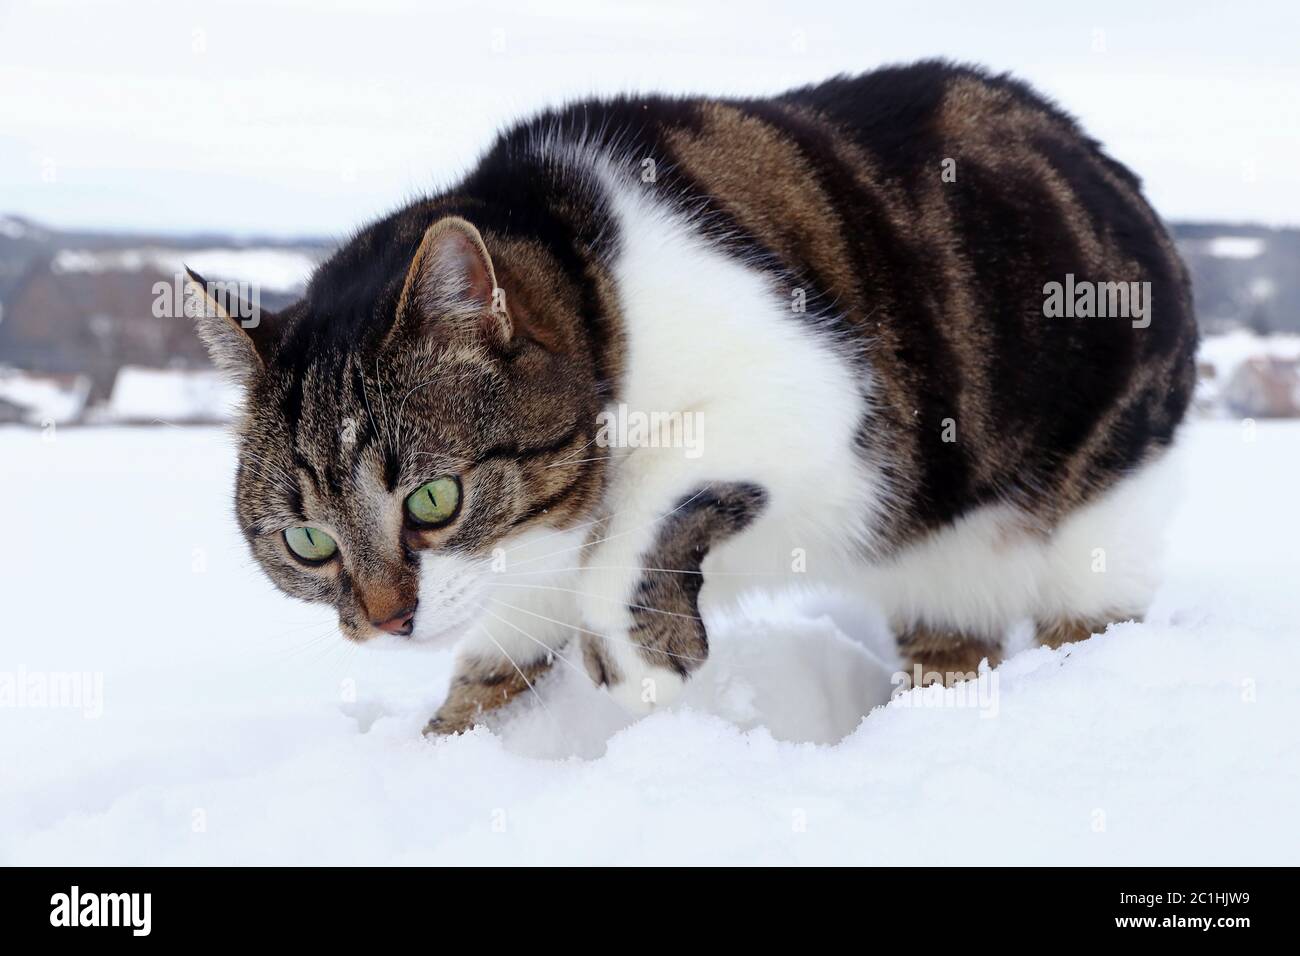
column 81, row 302
column 1243, row 275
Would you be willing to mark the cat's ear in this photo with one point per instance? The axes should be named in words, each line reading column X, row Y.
column 451, row 286
column 237, row 332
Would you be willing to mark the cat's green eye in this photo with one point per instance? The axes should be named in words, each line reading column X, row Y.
column 310, row 544
column 434, row 502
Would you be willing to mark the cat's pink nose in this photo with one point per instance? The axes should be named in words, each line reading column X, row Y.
column 400, row 623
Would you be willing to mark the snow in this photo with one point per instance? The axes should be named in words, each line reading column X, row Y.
column 1227, row 351
column 1236, row 247
column 170, row 395
column 45, row 398
column 272, row 269
column 219, row 723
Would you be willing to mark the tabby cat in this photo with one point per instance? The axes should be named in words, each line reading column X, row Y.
column 878, row 308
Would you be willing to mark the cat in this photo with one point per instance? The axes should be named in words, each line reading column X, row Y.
column 846, row 291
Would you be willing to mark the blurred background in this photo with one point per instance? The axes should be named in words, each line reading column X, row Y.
column 248, row 139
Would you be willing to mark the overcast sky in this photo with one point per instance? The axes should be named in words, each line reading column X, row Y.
column 300, row 117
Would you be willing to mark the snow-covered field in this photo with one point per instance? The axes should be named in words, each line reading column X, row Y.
column 199, row 717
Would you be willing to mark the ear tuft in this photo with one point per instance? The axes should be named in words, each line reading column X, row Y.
column 451, row 285
column 235, row 330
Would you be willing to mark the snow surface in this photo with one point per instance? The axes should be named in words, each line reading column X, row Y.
column 1236, row 247
column 1227, row 353
column 1230, row 350
column 267, row 268
column 221, row 723
column 44, row 398
column 171, row 395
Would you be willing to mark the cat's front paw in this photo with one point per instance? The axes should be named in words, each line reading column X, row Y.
column 634, row 683
column 647, row 689
column 437, row 727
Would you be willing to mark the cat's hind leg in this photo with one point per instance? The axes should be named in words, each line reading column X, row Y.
column 1102, row 562
column 953, row 597
column 1058, row 632
column 943, row 656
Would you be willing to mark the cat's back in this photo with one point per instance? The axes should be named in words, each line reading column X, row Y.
column 921, row 214
column 1038, row 322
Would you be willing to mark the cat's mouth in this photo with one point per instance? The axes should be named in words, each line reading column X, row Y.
column 446, row 616
column 449, row 601
column 443, row 631
column 429, row 630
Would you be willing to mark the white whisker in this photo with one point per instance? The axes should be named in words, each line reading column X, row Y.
column 523, row 677
column 550, row 650
column 598, row 597
column 633, row 567
column 578, row 461
column 604, row 637
column 621, row 534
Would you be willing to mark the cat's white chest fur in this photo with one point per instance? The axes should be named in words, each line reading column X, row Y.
column 770, row 401
column 777, row 404
column 774, row 401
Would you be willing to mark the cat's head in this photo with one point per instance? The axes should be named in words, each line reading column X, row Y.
column 422, row 411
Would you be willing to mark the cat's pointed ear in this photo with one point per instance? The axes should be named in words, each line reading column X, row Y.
column 451, row 286
column 237, row 332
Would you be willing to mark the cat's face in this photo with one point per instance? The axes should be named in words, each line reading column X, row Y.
column 392, row 479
